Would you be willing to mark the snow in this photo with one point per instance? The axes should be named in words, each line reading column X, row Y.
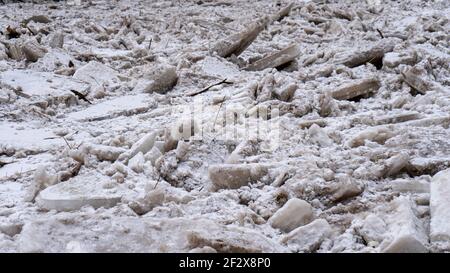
column 214, row 67
column 124, row 105
column 124, row 125
column 41, row 83
column 31, row 138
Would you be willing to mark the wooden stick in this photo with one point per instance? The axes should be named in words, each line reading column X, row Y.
column 209, row 87
column 381, row 34
column 65, row 140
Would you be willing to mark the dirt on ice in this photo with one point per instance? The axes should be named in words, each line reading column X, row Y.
column 224, row 126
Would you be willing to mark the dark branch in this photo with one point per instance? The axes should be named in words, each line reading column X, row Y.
column 381, row 33
column 209, row 87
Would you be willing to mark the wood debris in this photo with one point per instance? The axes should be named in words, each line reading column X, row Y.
column 209, row 87
column 80, row 96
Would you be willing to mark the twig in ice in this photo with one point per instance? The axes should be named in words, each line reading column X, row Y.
column 209, row 87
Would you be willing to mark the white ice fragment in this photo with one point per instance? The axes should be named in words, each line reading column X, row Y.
column 153, row 155
column 308, row 238
column 96, row 74
column 143, row 145
column 104, row 152
column 229, row 239
column 41, row 180
column 394, row 59
column 160, row 80
column 233, row 176
column 56, row 40
column 286, row 93
column 276, row 59
column 293, row 214
column 319, row 136
column 378, row 134
column 74, row 194
column 205, row 249
column 125, row 105
column 217, row 67
column 43, row 84
column 406, row 232
column 346, row 188
column 395, row 164
column 373, row 229
column 11, row 229
column 403, row 185
column 440, row 210
column 182, row 150
column 136, row 163
column 33, row 51
column 245, row 148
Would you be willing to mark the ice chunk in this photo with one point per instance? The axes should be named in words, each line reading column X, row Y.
column 378, row 134
column 403, row 185
column 308, row 238
column 42, row 83
column 144, row 144
column 125, row 105
column 96, row 74
column 276, row 59
column 218, row 68
column 233, row 176
column 76, row 193
column 160, row 80
column 104, row 152
column 33, row 51
column 319, row 136
column 293, row 214
column 136, row 163
column 395, row 164
column 346, row 188
column 355, row 89
column 153, row 155
column 41, row 181
column 373, row 229
column 226, row 239
column 440, row 210
column 407, row 235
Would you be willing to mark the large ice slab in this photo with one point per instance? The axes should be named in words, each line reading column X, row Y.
column 126, row 105
column 39, row 139
column 440, row 210
column 77, row 193
column 41, row 83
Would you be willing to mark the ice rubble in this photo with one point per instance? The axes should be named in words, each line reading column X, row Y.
column 355, row 160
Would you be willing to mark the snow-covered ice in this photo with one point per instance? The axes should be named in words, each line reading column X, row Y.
column 224, row 126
